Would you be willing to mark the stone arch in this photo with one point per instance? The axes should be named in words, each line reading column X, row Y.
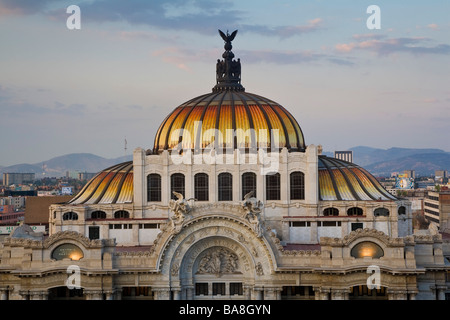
column 215, row 259
column 179, row 255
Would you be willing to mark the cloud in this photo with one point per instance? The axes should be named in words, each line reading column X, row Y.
column 182, row 57
column 23, row 7
column 433, row 26
column 285, row 31
column 200, row 16
column 382, row 45
column 19, row 102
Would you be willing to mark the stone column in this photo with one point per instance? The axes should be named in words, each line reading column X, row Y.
column 311, row 181
column 139, row 182
column 162, row 293
column 109, row 295
column 338, row 294
column 247, row 292
column 176, row 293
column 324, row 293
column 258, row 293
column 24, row 294
column 412, row 295
column 272, row 293
column 397, row 295
column 93, row 294
column 189, row 292
column 441, row 292
column 3, row 293
column 316, row 293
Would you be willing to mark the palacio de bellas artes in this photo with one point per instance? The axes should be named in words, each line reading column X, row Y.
column 229, row 204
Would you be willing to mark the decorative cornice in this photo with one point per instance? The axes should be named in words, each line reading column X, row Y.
column 78, row 237
column 59, row 236
column 361, row 233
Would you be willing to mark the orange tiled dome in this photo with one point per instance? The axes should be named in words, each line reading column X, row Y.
column 229, row 119
column 112, row 185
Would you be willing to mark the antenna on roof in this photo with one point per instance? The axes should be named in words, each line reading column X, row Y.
column 125, row 146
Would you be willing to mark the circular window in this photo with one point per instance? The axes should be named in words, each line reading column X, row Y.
column 67, row 250
column 367, row 249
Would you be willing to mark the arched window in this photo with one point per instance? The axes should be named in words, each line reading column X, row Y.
column 67, row 250
column 381, row 212
column 177, row 185
column 273, row 186
column 367, row 249
column 225, row 186
column 201, row 187
column 70, row 216
column 121, row 214
column 355, row 211
column 402, row 210
column 297, row 180
column 153, row 187
column 98, row 215
column 248, row 183
column 331, row 212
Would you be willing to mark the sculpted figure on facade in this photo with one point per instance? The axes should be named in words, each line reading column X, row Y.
column 25, row 231
column 217, row 261
column 253, row 208
column 180, row 209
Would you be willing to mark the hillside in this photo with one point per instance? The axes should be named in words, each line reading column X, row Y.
column 380, row 162
column 424, row 164
column 58, row 166
column 364, row 156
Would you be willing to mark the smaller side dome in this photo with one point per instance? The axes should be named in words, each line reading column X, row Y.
column 342, row 180
column 112, row 185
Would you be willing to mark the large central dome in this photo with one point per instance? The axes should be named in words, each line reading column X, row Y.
column 229, row 117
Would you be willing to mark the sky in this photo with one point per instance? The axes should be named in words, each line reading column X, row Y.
column 132, row 62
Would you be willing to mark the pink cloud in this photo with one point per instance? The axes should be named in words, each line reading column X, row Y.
column 433, row 26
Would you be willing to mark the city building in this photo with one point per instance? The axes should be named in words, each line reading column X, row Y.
column 36, row 210
column 10, row 178
column 410, row 173
column 344, row 155
column 230, row 203
column 85, row 175
column 441, row 176
column 437, row 209
column 16, row 202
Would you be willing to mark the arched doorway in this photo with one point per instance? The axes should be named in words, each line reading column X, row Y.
column 216, row 258
column 217, row 268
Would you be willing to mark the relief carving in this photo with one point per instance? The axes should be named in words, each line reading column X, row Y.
column 217, row 261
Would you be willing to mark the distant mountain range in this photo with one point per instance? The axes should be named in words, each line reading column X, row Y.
column 379, row 162
column 58, row 166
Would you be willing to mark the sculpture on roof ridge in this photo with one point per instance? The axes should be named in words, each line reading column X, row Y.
column 26, row 232
column 228, row 70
